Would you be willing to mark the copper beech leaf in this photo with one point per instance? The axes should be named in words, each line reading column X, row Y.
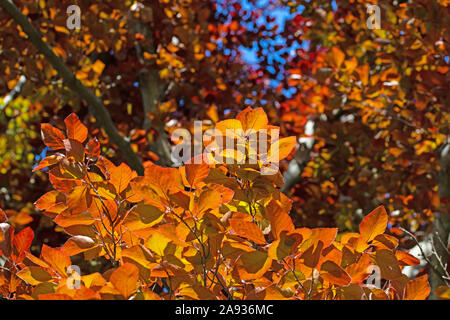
column 373, row 224
column 125, row 278
column 443, row 292
column 334, row 274
column 279, row 219
column 196, row 173
column 281, row 148
column 34, row 275
column 75, row 129
column 253, row 264
column 47, row 162
column 22, row 240
column 56, row 259
column 388, row 264
column 53, row 137
column 418, row 289
column 247, row 230
column 77, row 244
column 253, row 119
column 121, row 176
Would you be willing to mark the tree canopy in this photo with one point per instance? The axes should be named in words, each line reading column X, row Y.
column 88, row 176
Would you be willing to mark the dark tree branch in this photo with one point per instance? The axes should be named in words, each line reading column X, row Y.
column 152, row 94
column 99, row 110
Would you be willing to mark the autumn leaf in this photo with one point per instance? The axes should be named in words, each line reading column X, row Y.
column 56, row 259
column 337, row 57
column 334, row 274
column 3, row 216
column 75, row 129
column 443, row 292
column 279, row 219
column 53, row 137
column 77, row 244
column 121, row 176
column 281, row 148
column 196, row 173
column 34, row 275
column 388, row 264
column 253, row 264
column 253, row 119
column 22, row 240
column 47, row 162
column 418, row 289
column 247, row 230
column 373, row 224
column 125, row 278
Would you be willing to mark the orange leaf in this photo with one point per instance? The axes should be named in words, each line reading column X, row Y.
column 195, row 173
column 49, row 199
column 373, row 224
column 77, row 244
column 253, row 119
column 443, row 292
column 281, row 148
column 57, row 259
column 337, row 57
column 359, row 271
column 125, row 278
column 47, row 162
column 3, row 217
column 34, row 275
column 253, row 264
column 75, row 129
column 77, row 200
column 279, row 219
column 406, row 259
column 334, row 274
column 54, row 296
column 285, row 245
column 247, row 230
column 418, row 289
column 66, row 219
column 209, row 199
column 74, row 149
column 121, row 177
column 22, row 240
column 93, row 148
column 53, row 137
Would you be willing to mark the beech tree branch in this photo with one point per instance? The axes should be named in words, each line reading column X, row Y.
column 99, row 110
column 152, row 94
